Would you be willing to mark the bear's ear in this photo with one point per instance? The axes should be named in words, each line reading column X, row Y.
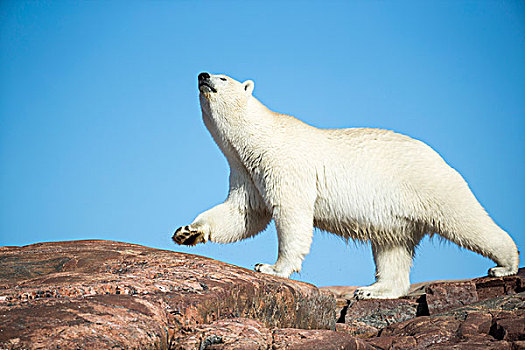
column 248, row 86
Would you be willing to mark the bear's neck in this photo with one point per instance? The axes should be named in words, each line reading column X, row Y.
column 242, row 138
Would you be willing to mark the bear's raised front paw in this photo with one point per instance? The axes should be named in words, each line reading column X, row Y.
column 187, row 235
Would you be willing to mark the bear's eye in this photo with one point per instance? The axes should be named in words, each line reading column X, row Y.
column 223, row 79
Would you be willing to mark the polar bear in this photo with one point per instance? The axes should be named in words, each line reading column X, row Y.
column 370, row 185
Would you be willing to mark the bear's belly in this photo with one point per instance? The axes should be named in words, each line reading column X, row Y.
column 363, row 211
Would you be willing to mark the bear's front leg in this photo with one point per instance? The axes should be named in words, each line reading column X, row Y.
column 294, row 231
column 242, row 215
column 227, row 222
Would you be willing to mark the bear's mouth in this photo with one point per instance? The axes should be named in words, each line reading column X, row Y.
column 204, row 86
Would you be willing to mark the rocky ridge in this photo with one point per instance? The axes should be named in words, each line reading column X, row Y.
column 486, row 312
column 101, row 295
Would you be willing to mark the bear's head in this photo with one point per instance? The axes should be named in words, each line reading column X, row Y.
column 222, row 94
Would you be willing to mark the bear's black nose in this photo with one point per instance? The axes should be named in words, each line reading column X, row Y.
column 204, row 76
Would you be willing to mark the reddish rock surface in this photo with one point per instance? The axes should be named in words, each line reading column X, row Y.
column 93, row 322
column 240, row 333
column 444, row 296
column 486, row 312
column 439, row 333
column 380, row 313
column 357, row 328
column 100, row 294
column 103, row 295
column 249, row 334
column 497, row 286
column 300, row 339
column 472, row 329
column 342, row 294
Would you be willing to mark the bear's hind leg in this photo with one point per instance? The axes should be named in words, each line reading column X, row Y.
column 393, row 263
column 484, row 237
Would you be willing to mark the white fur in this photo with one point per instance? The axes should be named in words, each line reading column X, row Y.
column 361, row 183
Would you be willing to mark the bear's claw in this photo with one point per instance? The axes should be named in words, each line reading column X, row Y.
column 379, row 291
column 186, row 235
column 271, row 270
column 500, row 271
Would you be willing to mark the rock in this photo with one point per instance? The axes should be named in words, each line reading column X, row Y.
column 518, row 345
column 342, row 295
column 357, row 329
column 393, row 342
column 475, row 323
column 248, row 334
column 92, row 322
column 490, row 287
column 444, row 332
column 240, row 333
column 380, row 313
column 492, row 306
column 299, row 339
column 425, row 330
column 486, row 312
column 497, row 323
column 444, row 296
column 101, row 294
column 509, row 325
column 485, row 343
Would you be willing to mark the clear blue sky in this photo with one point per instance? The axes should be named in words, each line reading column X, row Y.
column 101, row 134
